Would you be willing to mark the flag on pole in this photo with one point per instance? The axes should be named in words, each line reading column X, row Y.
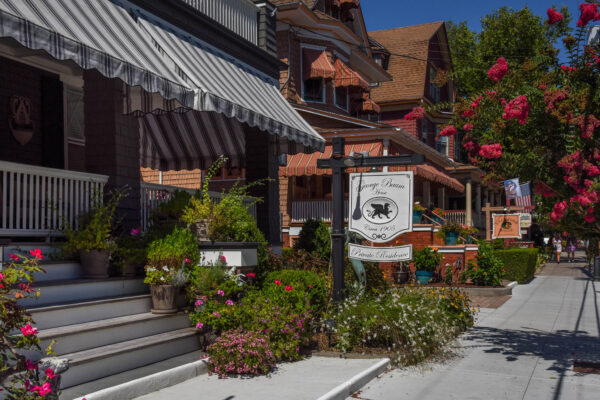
column 525, row 199
column 512, row 189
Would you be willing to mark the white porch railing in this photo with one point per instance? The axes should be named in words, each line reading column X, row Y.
column 459, row 216
column 37, row 200
column 315, row 209
column 153, row 194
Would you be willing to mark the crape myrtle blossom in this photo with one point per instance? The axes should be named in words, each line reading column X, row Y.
column 498, row 70
column 517, row 109
column 553, row 16
column 589, row 12
column 491, row 151
column 450, row 130
column 587, row 124
column 417, row 113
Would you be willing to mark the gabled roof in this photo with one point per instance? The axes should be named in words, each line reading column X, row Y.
column 409, row 71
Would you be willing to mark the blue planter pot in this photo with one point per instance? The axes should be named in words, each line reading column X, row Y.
column 469, row 240
column 423, row 277
column 417, row 215
column 451, row 238
column 436, row 218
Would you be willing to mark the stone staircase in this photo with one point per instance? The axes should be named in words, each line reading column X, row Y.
column 103, row 326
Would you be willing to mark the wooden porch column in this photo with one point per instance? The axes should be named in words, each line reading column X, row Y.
column 477, row 204
column 469, row 203
column 427, row 194
column 442, row 199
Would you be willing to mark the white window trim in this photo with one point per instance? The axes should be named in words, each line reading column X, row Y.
column 324, row 84
column 70, row 140
column 347, row 99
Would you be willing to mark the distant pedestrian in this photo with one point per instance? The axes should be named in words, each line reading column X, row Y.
column 557, row 243
column 571, row 247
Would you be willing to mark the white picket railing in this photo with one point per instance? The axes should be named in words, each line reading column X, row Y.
column 153, row 194
column 38, row 201
column 315, row 209
column 459, row 216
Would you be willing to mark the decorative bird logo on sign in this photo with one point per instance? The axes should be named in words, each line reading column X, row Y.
column 380, row 210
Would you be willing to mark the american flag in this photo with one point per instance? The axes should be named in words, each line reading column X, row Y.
column 525, row 200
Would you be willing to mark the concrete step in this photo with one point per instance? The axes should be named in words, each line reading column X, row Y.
column 103, row 361
column 72, row 313
column 89, row 335
column 22, row 248
column 79, row 290
column 127, row 376
column 58, row 271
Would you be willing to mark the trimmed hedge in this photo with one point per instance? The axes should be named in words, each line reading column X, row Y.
column 520, row 264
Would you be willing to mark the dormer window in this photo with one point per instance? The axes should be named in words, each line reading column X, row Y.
column 341, row 97
column 434, row 89
column 314, row 90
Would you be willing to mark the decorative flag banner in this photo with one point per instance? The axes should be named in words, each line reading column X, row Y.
column 512, row 188
column 506, row 226
column 525, row 199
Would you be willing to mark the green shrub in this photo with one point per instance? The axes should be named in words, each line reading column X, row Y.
column 241, row 353
column 520, row 264
column 315, row 238
column 427, row 259
column 174, row 249
column 293, row 287
column 488, row 269
column 166, row 216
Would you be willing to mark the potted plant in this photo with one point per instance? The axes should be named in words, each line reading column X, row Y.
column 438, row 215
column 402, row 274
column 468, row 232
column 450, row 232
column 418, row 211
column 426, row 262
column 130, row 252
column 169, row 262
column 93, row 240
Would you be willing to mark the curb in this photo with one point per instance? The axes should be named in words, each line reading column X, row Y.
column 512, row 285
column 347, row 388
column 151, row 383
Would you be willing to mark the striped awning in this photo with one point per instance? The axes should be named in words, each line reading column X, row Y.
column 164, row 71
column 316, row 64
column 353, row 3
column 430, row 173
column 366, row 105
column 306, row 164
column 345, row 76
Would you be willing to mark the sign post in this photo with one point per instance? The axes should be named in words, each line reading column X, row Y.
column 338, row 163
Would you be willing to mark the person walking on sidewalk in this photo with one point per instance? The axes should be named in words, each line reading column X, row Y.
column 557, row 243
column 571, row 247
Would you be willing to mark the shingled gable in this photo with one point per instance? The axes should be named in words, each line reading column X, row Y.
column 410, row 73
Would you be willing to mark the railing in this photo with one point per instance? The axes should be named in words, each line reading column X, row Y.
column 459, row 216
column 38, row 200
column 239, row 16
column 315, row 209
column 153, row 194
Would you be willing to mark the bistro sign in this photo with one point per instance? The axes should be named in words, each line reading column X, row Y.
column 381, row 205
column 383, row 254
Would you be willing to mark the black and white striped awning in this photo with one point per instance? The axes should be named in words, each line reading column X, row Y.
column 193, row 100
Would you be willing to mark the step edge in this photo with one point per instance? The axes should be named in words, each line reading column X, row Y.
column 83, row 281
column 109, row 300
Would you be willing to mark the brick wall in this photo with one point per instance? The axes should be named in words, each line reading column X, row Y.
column 112, row 141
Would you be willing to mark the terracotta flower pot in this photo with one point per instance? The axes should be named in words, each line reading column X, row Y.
column 163, row 299
column 95, row 263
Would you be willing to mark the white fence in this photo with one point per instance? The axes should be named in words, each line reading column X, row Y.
column 459, row 216
column 37, row 200
column 315, row 209
column 153, row 194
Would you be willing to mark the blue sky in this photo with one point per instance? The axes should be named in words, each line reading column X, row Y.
column 386, row 14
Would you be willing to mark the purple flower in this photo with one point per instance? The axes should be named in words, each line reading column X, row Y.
column 229, row 302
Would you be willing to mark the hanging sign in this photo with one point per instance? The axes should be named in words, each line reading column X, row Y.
column 381, row 205
column 506, row 226
column 526, row 220
column 380, row 254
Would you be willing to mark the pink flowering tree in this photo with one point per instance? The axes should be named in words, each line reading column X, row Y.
column 539, row 119
column 20, row 378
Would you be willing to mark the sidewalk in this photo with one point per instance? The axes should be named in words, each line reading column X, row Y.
column 522, row 350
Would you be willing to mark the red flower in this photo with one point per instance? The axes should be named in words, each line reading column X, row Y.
column 31, row 365
column 278, row 282
column 491, row 151
column 468, row 127
column 311, row 286
column 498, row 70
column 13, row 257
column 450, row 130
column 553, row 16
column 590, row 218
column 28, row 330
column 517, row 109
column 49, row 373
column 416, row 114
column 587, row 124
column 589, row 12
column 543, row 86
column 251, row 275
column 42, row 390
column 288, row 288
column 37, row 253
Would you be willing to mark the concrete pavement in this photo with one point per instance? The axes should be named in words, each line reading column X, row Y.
column 522, row 350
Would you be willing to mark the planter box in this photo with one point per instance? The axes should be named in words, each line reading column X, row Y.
column 237, row 254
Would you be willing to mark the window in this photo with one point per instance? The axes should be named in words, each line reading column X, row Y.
column 424, row 132
column 313, row 90
column 74, row 115
column 434, row 89
column 378, row 58
column 341, row 97
column 442, row 145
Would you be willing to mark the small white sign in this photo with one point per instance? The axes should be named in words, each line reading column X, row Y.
column 382, row 254
column 381, row 205
column 526, row 220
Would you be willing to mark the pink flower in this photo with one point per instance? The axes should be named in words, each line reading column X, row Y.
column 49, row 373
column 590, row 218
column 251, row 275
column 311, row 286
column 220, row 292
column 589, row 12
column 187, row 261
column 553, row 16
column 198, row 303
column 199, row 325
column 450, row 130
column 416, row 114
column 31, row 365
column 288, row 288
column 28, row 330
column 468, row 127
column 13, row 257
column 216, row 314
column 491, row 151
column 42, row 390
column 37, row 253
column 498, row 70
column 134, row 232
column 278, row 282
column 222, row 258
column 229, row 302
column 517, row 109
